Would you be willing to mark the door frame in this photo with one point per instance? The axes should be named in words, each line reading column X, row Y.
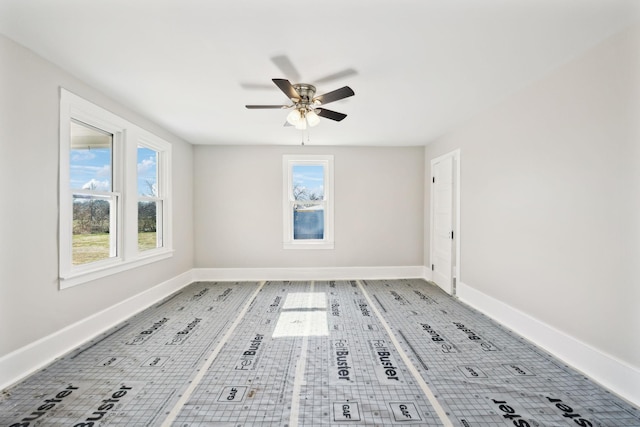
column 455, row 279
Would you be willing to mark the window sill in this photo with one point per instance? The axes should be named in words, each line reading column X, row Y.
column 79, row 277
column 308, row 245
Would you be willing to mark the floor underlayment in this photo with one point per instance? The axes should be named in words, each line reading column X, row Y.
column 343, row 353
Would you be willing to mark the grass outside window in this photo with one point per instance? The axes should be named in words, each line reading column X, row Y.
column 95, row 247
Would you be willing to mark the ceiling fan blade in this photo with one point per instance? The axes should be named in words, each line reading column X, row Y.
column 287, row 88
column 329, row 114
column 286, row 66
column 343, row 92
column 256, row 107
column 335, row 76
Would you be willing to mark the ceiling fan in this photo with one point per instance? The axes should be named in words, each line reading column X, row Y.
column 306, row 106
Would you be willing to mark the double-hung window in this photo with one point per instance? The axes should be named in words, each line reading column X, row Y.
column 152, row 194
column 95, row 201
column 114, row 199
column 308, row 202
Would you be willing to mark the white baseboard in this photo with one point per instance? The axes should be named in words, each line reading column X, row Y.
column 619, row 377
column 26, row 360
column 320, row 273
column 427, row 274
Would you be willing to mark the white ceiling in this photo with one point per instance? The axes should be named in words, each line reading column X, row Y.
column 418, row 68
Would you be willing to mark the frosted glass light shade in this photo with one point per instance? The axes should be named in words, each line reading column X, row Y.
column 294, row 117
column 312, row 118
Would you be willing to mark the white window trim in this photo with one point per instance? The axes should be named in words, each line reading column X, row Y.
column 124, row 185
column 288, row 161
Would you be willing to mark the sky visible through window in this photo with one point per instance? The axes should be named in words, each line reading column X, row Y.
column 147, row 172
column 91, row 170
column 309, row 178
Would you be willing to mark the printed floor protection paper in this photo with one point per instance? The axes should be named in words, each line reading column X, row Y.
column 341, row 353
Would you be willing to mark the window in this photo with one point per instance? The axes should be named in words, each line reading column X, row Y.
column 95, row 203
column 99, row 210
column 308, row 202
column 151, row 197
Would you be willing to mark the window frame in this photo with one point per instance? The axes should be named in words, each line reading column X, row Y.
column 124, row 186
column 288, row 163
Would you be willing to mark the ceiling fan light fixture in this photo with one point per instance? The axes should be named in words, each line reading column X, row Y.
column 312, row 118
column 294, row 117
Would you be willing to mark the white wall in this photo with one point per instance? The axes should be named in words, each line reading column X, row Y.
column 31, row 306
column 551, row 199
column 378, row 207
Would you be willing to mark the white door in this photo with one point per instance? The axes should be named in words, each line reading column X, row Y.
column 442, row 222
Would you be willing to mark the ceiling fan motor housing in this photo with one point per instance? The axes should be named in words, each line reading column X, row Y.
column 306, row 92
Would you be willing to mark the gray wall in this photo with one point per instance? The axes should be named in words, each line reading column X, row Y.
column 31, row 306
column 378, row 207
column 550, row 198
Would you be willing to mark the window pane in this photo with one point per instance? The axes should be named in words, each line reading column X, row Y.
column 90, row 158
column 148, row 225
column 308, row 182
column 147, row 172
column 91, row 229
column 308, row 221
